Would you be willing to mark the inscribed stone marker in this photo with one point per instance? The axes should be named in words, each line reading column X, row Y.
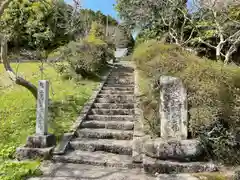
column 42, row 108
column 173, row 108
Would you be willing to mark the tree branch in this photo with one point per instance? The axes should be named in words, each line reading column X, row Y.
column 12, row 75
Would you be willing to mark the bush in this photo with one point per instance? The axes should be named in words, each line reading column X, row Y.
column 85, row 58
column 213, row 90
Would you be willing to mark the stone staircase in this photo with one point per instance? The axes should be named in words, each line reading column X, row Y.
column 105, row 136
column 102, row 146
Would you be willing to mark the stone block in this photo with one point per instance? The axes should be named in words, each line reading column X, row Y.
column 24, row 153
column 41, row 141
column 181, row 150
column 173, row 108
column 176, row 177
column 138, row 148
column 153, row 166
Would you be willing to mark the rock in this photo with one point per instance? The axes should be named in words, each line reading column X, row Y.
column 182, row 150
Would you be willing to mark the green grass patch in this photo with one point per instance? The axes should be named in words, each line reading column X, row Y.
column 18, row 111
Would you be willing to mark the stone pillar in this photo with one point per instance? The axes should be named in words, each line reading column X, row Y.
column 42, row 108
column 41, row 144
column 173, row 108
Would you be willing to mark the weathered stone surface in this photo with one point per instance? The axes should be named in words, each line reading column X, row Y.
column 176, row 177
column 105, row 134
column 112, row 111
column 117, row 88
column 138, row 128
column 61, row 171
column 182, row 150
column 113, row 106
column 41, row 141
column 42, row 108
column 138, row 148
column 104, row 98
column 97, row 158
column 173, row 108
column 153, row 166
column 23, row 153
column 108, row 145
column 116, row 92
column 125, row 125
column 111, row 117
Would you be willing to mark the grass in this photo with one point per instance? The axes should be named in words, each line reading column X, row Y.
column 18, row 112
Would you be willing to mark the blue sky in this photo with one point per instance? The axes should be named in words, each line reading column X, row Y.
column 105, row 6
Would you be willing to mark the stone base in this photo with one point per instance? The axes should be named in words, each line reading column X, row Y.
column 153, row 166
column 41, row 141
column 180, row 150
column 24, row 153
column 138, row 148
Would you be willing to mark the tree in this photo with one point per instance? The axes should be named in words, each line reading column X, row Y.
column 17, row 79
column 38, row 28
column 218, row 28
column 89, row 16
column 158, row 18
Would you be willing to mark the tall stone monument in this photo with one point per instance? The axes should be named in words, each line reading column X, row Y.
column 41, row 144
column 42, row 108
column 173, row 108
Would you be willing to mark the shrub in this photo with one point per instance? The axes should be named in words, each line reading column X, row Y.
column 87, row 57
column 213, row 89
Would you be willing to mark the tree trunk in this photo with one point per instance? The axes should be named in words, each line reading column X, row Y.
column 17, row 79
column 218, row 53
column 227, row 58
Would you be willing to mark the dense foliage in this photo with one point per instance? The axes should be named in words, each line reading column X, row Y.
column 86, row 58
column 210, row 30
column 47, row 24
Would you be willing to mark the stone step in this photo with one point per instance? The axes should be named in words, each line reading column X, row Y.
column 118, row 81
column 116, row 92
column 124, row 125
column 96, row 158
column 107, row 145
column 188, row 150
column 112, row 111
column 111, row 117
column 116, row 97
column 114, row 100
column 118, row 88
column 113, row 106
column 73, row 171
column 122, row 72
column 119, row 78
column 121, row 75
column 111, row 84
column 105, row 134
column 153, row 166
column 118, row 84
